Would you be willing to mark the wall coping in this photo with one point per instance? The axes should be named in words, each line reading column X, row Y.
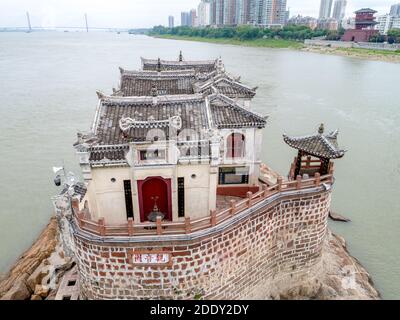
column 220, row 228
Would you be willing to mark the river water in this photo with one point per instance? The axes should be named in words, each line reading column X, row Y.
column 47, row 93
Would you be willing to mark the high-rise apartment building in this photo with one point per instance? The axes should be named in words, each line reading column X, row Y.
column 212, row 12
column 384, row 23
column 325, row 9
column 230, row 12
column 185, row 19
column 219, row 12
column 276, row 12
column 193, row 18
column 269, row 12
column 256, row 12
column 395, row 10
column 204, row 13
column 171, row 22
column 387, row 22
column 247, row 12
column 339, row 9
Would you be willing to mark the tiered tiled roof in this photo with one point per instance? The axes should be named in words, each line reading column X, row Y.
column 165, row 95
column 143, row 83
column 226, row 113
column 225, row 85
column 190, row 108
column 366, row 10
column 180, row 64
column 319, row 145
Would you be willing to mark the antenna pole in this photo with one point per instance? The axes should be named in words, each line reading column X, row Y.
column 29, row 21
column 87, row 27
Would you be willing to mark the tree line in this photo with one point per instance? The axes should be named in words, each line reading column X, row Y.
column 290, row 32
column 393, row 36
column 298, row 33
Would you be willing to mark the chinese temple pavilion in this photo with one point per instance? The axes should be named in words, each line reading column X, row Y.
column 315, row 153
column 176, row 202
column 364, row 26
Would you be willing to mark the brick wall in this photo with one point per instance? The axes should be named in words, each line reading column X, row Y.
column 282, row 239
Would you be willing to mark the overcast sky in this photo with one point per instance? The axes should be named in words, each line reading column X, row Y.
column 133, row 13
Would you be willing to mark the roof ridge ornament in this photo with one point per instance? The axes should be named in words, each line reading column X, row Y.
column 126, row 123
column 321, row 129
column 159, row 65
column 100, row 94
column 180, row 56
column 334, row 134
column 220, row 66
column 121, row 70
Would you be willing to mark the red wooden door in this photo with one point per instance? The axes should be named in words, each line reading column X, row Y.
column 235, row 145
column 151, row 189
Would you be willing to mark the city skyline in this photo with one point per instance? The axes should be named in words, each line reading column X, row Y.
column 137, row 14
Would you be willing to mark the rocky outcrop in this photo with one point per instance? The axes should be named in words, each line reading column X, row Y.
column 337, row 217
column 19, row 291
column 30, row 260
column 37, row 272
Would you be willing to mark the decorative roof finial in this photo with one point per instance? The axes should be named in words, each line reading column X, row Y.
column 180, row 56
column 220, row 66
column 321, row 129
column 100, row 95
column 159, row 65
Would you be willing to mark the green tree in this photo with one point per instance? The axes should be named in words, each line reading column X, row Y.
column 377, row 38
column 394, row 36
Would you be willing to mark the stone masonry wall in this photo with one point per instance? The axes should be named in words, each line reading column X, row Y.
column 284, row 238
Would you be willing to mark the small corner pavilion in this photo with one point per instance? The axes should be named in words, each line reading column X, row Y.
column 315, row 153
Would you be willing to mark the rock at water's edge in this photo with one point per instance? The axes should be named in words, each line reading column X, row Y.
column 19, row 291
column 337, row 217
column 30, row 261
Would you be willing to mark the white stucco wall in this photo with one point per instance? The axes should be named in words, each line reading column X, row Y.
column 197, row 190
column 106, row 198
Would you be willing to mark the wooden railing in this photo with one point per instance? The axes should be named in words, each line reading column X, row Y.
column 188, row 225
column 308, row 164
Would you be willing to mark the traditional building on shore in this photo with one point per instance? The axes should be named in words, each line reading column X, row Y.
column 364, row 26
column 176, row 203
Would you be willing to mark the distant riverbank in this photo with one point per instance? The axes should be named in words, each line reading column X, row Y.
column 267, row 43
column 369, row 54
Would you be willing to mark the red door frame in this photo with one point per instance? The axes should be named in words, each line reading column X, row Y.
column 169, row 200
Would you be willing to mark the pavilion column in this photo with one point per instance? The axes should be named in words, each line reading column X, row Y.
column 298, row 164
column 324, row 166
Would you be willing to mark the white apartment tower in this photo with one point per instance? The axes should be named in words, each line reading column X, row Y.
column 339, row 9
column 171, row 22
column 325, row 9
column 204, row 13
column 395, row 10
